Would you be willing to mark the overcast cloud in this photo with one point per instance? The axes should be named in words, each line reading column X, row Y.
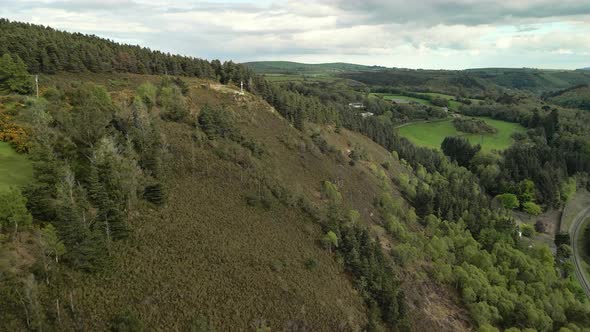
column 452, row 34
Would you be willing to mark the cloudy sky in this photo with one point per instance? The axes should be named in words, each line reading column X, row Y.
column 451, row 34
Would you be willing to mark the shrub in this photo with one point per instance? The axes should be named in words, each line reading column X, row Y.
column 321, row 143
column 277, row 265
column 147, row 93
column 311, row 264
column 473, row 126
column 126, row 322
column 532, row 208
column 562, row 238
column 218, row 123
column 509, row 201
column 527, row 230
column 173, row 103
column 154, row 193
column 540, row 227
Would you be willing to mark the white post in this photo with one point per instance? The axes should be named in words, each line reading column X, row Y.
column 241, row 87
column 37, row 84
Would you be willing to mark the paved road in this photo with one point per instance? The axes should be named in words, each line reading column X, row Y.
column 576, row 231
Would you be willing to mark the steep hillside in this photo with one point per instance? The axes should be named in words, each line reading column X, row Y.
column 239, row 242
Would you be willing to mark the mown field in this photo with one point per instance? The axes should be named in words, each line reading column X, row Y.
column 453, row 104
column 432, row 134
column 15, row 169
column 407, row 99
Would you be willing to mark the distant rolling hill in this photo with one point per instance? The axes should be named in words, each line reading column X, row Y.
column 574, row 97
column 288, row 67
column 537, row 81
column 531, row 79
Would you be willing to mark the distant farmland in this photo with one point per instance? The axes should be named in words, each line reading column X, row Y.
column 432, row 134
column 405, row 99
column 402, row 99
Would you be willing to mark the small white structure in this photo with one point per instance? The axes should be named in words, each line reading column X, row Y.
column 241, row 88
column 366, row 114
column 356, row 105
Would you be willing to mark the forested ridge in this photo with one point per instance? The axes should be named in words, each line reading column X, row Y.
column 98, row 161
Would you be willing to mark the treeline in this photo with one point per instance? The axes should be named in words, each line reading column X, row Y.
column 46, row 50
column 554, row 149
column 49, row 51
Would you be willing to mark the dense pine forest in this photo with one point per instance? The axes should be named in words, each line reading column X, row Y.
column 126, row 142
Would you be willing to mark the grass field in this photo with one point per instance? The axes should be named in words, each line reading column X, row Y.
column 15, row 169
column 453, row 104
column 408, row 99
column 432, row 134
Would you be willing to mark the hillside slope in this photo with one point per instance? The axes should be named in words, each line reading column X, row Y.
column 574, row 97
column 232, row 248
column 532, row 80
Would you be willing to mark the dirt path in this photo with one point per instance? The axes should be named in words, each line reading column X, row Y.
column 576, row 232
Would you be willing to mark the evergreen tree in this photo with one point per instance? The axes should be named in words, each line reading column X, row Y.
column 14, row 77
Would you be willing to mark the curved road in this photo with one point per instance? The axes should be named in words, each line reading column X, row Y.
column 575, row 231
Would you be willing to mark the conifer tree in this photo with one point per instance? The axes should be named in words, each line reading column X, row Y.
column 14, row 77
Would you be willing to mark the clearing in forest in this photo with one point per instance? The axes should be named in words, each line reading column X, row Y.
column 15, row 169
column 432, row 134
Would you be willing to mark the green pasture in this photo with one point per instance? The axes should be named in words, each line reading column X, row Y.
column 432, row 134
column 15, row 169
column 409, row 99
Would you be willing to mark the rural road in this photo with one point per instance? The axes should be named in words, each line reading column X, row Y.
column 575, row 231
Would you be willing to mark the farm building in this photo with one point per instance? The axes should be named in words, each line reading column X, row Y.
column 366, row 114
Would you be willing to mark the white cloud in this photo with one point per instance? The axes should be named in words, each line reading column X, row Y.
column 427, row 33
